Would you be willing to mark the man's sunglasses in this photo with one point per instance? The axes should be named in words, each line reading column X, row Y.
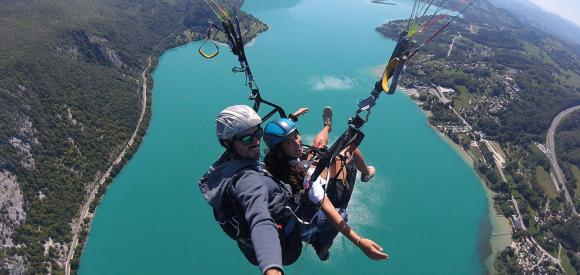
column 249, row 138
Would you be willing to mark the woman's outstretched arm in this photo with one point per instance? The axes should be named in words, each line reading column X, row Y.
column 368, row 246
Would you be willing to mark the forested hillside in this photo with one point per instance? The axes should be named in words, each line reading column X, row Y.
column 493, row 85
column 568, row 150
column 69, row 99
column 500, row 58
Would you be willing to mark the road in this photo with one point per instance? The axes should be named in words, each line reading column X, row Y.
column 544, row 252
column 76, row 226
column 452, row 42
column 551, row 152
column 520, row 218
column 461, row 118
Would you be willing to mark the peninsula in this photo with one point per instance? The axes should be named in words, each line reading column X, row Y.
column 493, row 85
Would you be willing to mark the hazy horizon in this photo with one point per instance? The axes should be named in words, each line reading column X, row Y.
column 567, row 9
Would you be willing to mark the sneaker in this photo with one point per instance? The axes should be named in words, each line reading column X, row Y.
column 370, row 175
column 322, row 252
column 327, row 116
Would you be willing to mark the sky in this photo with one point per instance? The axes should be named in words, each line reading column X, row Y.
column 569, row 9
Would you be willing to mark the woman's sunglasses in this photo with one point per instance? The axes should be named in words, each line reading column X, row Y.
column 249, row 138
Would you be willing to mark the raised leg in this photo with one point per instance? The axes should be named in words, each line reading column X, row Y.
column 321, row 138
column 367, row 172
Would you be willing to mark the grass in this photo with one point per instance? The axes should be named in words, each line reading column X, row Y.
column 570, row 78
column 568, row 268
column 464, row 97
column 476, row 154
column 545, row 181
column 533, row 228
column 576, row 173
column 497, row 173
column 534, row 149
column 532, row 50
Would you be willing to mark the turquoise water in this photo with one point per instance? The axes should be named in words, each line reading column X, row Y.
column 425, row 206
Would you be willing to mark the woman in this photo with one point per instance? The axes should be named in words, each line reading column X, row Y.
column 285, row 161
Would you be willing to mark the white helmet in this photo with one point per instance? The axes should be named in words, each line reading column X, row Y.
column 234, row 120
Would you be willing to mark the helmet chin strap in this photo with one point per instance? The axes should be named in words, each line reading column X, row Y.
column 229, row 145
column 234, row 155
column 225, row 144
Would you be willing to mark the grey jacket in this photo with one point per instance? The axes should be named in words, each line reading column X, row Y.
column 257, row 193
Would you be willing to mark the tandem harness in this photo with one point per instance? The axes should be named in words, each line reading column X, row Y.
column 231, row 218
column 338, row 191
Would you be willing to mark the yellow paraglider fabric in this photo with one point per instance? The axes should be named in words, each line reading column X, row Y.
column 413, row 29
column 388, row 73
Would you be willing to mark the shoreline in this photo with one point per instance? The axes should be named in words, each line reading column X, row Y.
column 95, row 195
column 498, row 224
column 85, row 220
column 130, row 147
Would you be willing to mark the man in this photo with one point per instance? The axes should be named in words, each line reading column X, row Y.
column 247, row 202
column 251, row 206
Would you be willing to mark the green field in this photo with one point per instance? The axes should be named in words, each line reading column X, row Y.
column 464, row 97
column 568, row 268
column 544, row 180
column 576, row 173
column 570, row 77
column 475, row 153
column 534, row 51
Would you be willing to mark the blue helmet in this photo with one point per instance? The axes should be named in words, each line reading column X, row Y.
column 277, row 130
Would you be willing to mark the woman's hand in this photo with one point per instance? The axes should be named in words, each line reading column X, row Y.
column 372, row 249
column 300, row 112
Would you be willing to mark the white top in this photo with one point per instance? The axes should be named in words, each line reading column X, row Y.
column 317, row 191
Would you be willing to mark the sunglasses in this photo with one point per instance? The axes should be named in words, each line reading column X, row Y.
column 249, row 138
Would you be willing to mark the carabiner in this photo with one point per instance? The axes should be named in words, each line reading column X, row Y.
column 208, row 37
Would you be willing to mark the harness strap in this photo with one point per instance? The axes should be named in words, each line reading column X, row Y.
column 232, row 31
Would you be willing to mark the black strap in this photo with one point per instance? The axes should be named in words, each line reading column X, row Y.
column 352, row 138
column 234, row 35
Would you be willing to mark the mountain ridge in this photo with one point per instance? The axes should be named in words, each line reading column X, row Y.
column 69, row 100
column 548, row 21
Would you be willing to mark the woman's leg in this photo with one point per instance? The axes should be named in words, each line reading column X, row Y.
column 360, row 162
column 321, row 138
column 367, row 172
